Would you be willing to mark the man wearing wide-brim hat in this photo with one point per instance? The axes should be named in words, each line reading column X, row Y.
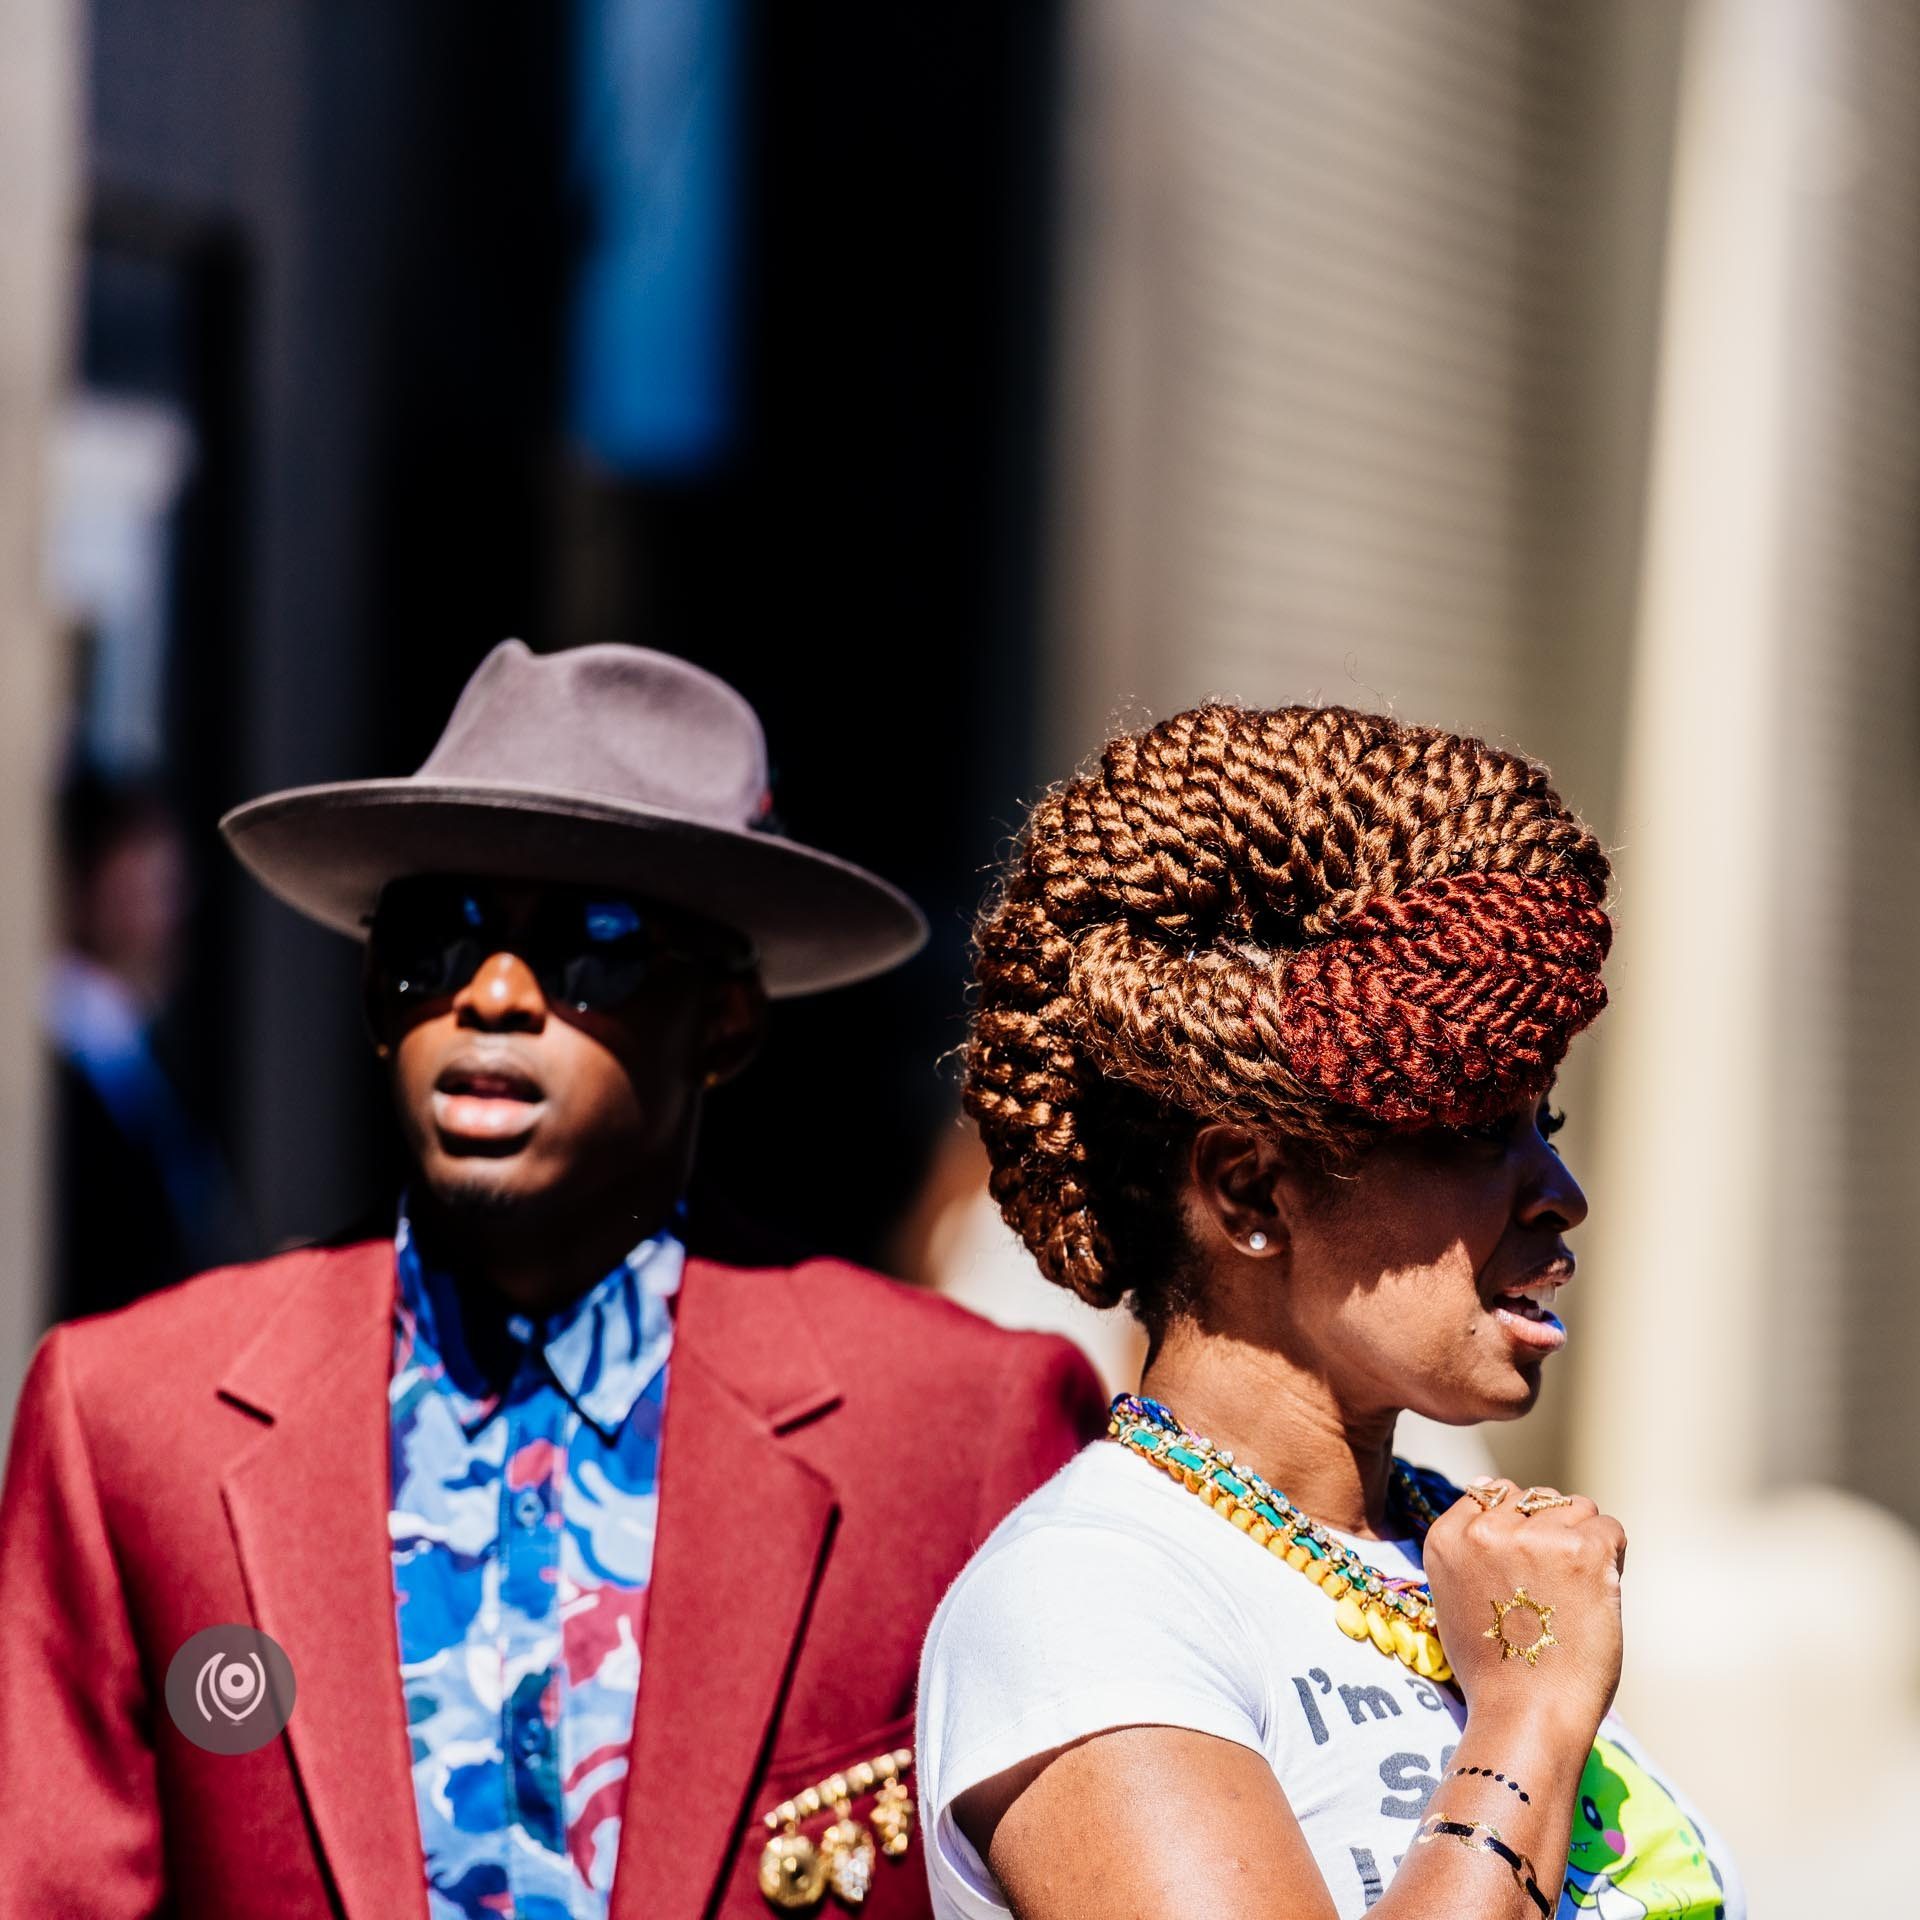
column 529, row 1566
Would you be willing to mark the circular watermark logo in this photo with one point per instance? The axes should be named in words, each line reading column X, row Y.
column 230, row 1689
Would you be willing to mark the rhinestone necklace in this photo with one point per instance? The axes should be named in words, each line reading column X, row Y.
column 1395, row 1614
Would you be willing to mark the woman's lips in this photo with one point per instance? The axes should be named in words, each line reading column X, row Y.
column 1528, row 1316
column 1538, row 1329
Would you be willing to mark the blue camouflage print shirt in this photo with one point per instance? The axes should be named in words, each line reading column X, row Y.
column 526, row 1468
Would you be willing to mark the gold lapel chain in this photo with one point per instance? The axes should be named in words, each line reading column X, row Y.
column 797, row 1872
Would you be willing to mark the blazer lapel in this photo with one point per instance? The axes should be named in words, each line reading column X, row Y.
column 308, row 1507
column 744, row 1528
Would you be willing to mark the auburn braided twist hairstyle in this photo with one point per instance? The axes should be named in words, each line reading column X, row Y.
column 1313, row 920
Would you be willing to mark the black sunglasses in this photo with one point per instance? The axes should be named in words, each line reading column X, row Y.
column 590, row 949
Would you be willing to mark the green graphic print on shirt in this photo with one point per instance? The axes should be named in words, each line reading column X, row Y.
column 1634, row 1854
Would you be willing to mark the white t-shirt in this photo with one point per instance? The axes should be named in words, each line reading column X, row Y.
column 1114, row 1597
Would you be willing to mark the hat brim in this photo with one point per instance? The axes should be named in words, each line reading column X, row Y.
column 817, row 921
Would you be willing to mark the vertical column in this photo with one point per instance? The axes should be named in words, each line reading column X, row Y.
column 1705, row 1283
column 1684, row 1239
column 39, row 166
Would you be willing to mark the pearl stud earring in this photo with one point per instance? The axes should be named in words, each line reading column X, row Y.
column 1256, row 1242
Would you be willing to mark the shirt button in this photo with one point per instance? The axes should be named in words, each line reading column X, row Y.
column 521, row 1328
column 533, row 1736
column 528, row 1508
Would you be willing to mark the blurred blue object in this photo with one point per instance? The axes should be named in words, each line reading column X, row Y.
column 657, row 125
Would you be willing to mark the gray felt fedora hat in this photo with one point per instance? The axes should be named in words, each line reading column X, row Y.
column 608, row 766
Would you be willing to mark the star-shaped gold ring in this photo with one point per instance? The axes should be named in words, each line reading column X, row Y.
column 1524, row 1602
column 1539, row 1499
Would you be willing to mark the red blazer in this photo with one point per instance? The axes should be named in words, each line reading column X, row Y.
column 836, row 1445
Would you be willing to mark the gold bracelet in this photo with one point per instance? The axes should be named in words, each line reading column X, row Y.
column 1478, row 1836
column 797, row 1872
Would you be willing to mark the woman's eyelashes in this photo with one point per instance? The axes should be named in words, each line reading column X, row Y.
column 1505, row 1128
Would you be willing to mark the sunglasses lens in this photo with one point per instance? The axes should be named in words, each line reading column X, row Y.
column 589, row 951
column 430, row 940
column 599, row 952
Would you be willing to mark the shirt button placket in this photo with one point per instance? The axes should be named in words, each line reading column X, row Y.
column 533, row 1627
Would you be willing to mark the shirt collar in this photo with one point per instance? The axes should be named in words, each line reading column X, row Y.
column 602, row 1351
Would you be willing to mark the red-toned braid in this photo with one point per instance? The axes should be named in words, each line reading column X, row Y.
column 1310, row 919
column 1447, row 1003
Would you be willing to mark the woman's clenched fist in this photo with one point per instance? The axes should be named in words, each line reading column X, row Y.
column 1544, row 1584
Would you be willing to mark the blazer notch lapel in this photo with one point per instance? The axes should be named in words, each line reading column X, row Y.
column 751, row 1327
column 308, row 1509
column 807, row 1407
column 744, row 1533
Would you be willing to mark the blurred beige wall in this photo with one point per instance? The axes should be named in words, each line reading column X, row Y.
column 39, row 162
column 1554, row 373
column 1361, row 317
column 1745, row 1393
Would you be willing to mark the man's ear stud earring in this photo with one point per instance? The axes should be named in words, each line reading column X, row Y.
column 1256, row 1242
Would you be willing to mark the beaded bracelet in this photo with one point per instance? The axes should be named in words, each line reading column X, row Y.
column 1478, row 1837
column 1512, row 1786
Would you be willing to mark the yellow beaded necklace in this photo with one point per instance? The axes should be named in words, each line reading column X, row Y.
column 1396, row 1615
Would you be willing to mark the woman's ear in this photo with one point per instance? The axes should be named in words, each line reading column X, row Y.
column 735, row 1025
column 1237, row 1175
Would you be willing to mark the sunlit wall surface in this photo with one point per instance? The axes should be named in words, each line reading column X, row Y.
column 38, row 190
column 1551, row 372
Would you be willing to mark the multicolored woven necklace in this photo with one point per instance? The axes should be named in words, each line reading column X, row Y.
column 1395, row 1614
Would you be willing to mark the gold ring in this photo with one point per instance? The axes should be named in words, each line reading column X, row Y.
column 1539, row 1499
column 1489, row 1497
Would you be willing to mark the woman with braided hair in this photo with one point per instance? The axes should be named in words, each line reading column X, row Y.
column 1269, row 1010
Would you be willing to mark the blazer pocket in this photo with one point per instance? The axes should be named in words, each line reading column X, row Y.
column 788, row 1774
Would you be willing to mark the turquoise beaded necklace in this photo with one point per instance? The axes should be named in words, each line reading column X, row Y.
column 1395, row 1614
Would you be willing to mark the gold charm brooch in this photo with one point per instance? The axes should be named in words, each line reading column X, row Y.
column 796, row 1871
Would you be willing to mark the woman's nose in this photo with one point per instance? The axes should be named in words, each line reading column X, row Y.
column 504, row 991
column 1551, row 1193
